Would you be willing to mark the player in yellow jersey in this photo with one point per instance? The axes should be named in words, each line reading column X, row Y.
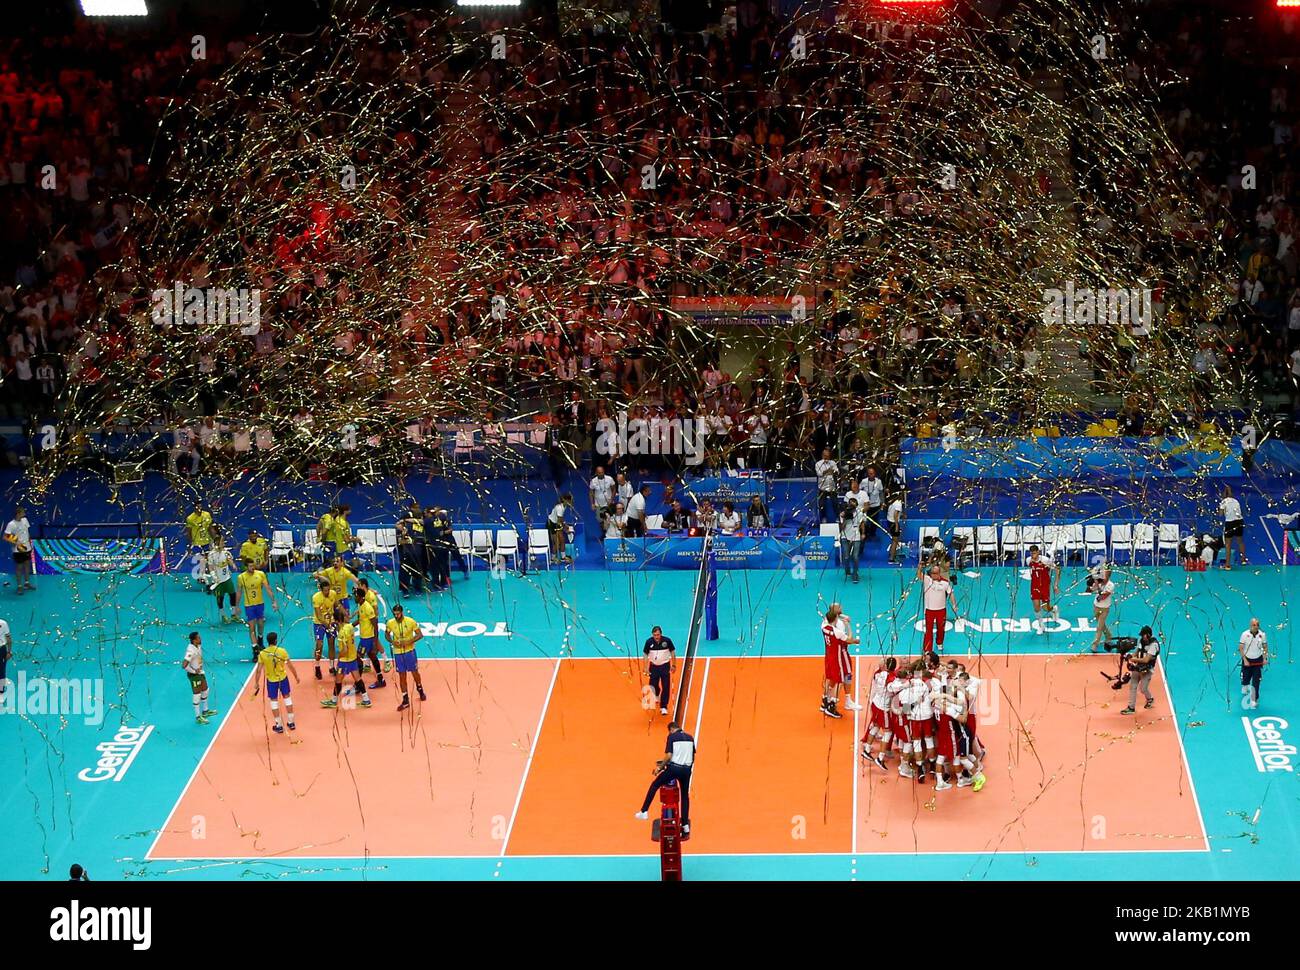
column 404, row 633
column 252, row 586
column 274, row 668
column 340, row 579
column 348, row 662
column 367, row 621
column 322, row 622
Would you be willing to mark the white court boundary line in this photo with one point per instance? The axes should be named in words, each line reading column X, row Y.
column 532, row 751
column 1019, row 853
column 204, row 757
column 853, row 754
column 1182, row 750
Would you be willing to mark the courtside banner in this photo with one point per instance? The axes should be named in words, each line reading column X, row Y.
column 54, row 557
column 729, row 552
column 1101, row 458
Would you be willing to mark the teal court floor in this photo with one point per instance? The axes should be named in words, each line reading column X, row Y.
column 536, row 707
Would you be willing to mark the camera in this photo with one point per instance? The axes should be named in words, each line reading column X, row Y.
column 1122, row 646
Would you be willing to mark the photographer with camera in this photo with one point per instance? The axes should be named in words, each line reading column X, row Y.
column 1141, row 668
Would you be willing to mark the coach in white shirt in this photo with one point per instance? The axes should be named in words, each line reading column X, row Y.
column 1234, row 527
column 1253, row 648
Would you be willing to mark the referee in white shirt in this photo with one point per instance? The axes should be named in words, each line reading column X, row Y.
column 675, row 765
column 1253, row 648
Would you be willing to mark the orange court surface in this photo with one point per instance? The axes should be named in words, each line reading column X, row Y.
column 507, row 753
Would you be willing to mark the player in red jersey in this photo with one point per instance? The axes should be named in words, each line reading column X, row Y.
column 837, row 630
column 880, row 729
column 1044, row 580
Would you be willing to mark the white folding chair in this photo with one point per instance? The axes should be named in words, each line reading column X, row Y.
column 481, row 544
column 1144, row 540
column 1052, row 537
column 1170, row 538
column 464, row 545
column 508, row 545
column 539, row 544
column 281, row 546
column 464, row 446
column 1072, row 535
column 1121, row 540
column 1031, row 535
column 986, row 540
column 960, row 548
column 1094, row 541
column 311, row 547
column 366, row 544
column 1011, row 543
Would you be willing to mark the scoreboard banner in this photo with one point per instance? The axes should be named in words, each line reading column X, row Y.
column 729, row 552
column 53, row 557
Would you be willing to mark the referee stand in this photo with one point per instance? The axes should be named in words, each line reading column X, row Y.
column 667, row 831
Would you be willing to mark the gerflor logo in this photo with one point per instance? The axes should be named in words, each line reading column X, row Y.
column 657, row 436
column 192, row 306
column 1085, row 307
column 93, row 924
column 1269, row 747
column 117, row 756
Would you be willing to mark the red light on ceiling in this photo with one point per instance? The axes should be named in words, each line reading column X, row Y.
column 1280, row 3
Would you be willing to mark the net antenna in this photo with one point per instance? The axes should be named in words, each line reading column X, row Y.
column 697, row 624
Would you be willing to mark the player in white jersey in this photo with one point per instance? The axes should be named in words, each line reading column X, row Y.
column 922, row 718
column 901, row 722
column 875, row 743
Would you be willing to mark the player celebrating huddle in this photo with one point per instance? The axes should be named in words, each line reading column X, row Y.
column 348, row 662
column 837, row 630
column 880, row 731
column 927, row 711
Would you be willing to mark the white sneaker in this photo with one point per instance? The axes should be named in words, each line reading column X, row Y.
column 1039, row 630
column 904, row 772
column 643, row 815
column 965, row 782
column 851, row 705
column 663, row 710
column 1056, row 612
column 941, row 785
